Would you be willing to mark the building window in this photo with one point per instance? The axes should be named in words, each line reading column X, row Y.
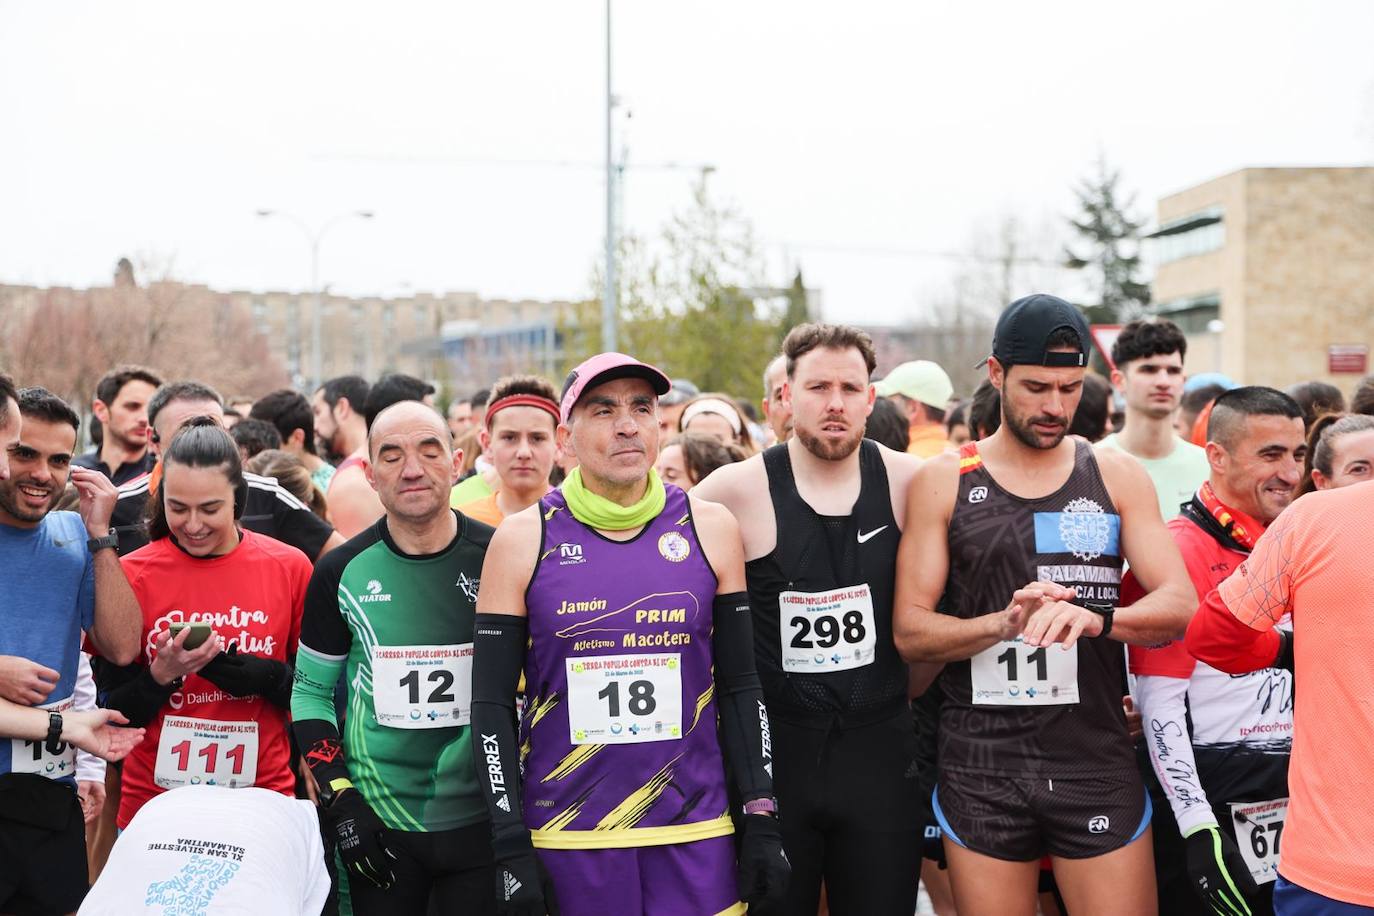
column 259, row 314
column 1195, row 234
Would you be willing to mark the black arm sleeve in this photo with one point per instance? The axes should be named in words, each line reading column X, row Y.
column 321, row 748
column 744, row 730
column 498, row 646
column 140, row 697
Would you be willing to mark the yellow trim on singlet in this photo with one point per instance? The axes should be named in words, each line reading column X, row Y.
column 631, row 837
column 637, row 803
column 737, row 909
column 702, row 702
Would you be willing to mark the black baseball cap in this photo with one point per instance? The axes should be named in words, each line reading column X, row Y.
column 1026, row 325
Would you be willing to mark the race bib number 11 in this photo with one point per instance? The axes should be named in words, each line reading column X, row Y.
column 1012, row 673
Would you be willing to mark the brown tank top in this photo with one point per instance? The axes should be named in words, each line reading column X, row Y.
column 1015, row 710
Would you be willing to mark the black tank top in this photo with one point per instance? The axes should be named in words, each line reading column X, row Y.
column 840, row 664
column 998, row 542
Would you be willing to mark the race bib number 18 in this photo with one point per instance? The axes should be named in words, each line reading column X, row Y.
column 1259, row 832
column 1012, row 673
column 422, row 686
column 55, row 760
column 624, row 699
column 827, row 631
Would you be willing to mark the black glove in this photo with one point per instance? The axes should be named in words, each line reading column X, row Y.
column 523, row 887
column 247, row 675
column 359, row 834
column 1219, row 875
column 763, row 867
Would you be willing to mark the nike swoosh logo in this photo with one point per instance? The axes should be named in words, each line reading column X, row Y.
column 874, row 533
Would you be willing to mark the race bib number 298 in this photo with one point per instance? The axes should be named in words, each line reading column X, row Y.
column 827, row 631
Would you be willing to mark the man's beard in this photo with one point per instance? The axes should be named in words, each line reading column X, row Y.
column 326, row 450
column 9, row 501
column 1022, row 430
column 828, row 450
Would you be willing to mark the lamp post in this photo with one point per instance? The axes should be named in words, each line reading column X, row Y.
column 315, row 237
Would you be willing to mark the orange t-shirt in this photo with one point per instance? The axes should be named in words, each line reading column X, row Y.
column 484, row 510
column 1314, row 562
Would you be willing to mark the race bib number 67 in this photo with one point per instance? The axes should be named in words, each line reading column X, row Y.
column 827, row 631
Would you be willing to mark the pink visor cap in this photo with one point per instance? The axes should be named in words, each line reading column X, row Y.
column 607, row 367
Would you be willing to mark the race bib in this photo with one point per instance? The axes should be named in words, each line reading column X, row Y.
column 55, row 760
column 1012, row 673
column 624, row 699
column 206, row 752
column 1259, row 830
column 827, row 631
column 422, row 686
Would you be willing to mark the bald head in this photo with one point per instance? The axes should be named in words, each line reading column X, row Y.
column 409, row 419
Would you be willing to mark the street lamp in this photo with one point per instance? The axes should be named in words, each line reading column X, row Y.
column 315, row 237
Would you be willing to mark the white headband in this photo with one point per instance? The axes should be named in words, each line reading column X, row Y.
column 715, row 406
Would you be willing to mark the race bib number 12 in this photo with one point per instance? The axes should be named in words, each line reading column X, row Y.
column 624, row 699
column 55, row 760
column 422, row 686
column 827, row 631
column 1012, row 673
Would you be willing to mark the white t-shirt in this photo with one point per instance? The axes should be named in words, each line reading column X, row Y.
column 207, row 850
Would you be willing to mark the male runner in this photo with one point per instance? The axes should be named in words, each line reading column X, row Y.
column 121, row 406
column 923, row 390
column 1148, row 356
column 63, row 577
column 341, row 430
column 392, row 610
column 289, row 411
column 821, row 519
column 270, row 508
column 519, row 433
column 10, row 422
column 1002, row 539
column 776, row 413
column 1219, row 744
column 1313, row 564
column 623, row 602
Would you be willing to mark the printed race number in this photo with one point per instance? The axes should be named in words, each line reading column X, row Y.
column 827, row 631
column 624, row 699
column 1259, row 834
column 1012, row 673
column 206, row 752
column 422, row 686
column 55, row 759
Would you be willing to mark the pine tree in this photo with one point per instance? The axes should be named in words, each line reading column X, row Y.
column 1109, row 237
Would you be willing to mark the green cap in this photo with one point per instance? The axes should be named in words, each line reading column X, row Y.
column 920, row 380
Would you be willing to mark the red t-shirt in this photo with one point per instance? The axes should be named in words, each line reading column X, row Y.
column 253, row 596
column 1208, row 564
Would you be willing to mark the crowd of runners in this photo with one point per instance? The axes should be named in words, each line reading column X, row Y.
column 616, row 646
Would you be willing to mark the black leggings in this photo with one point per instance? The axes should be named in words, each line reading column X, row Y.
column 850, row 817
column 448, row 871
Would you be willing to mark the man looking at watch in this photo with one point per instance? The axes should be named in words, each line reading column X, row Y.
column 71, row 581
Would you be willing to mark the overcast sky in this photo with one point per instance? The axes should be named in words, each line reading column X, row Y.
column 847, row 132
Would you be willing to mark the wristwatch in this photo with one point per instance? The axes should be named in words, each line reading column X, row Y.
column 54, row 728
column 1106, row 612
column 109, row 540
column 762, row 806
